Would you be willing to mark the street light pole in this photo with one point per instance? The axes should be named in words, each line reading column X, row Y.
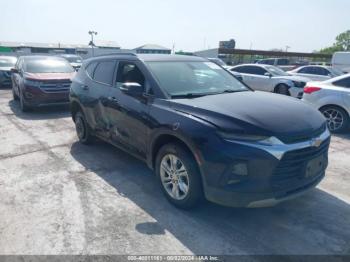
column 92, row 33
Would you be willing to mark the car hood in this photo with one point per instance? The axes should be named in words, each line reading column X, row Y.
column 254, row 113
column 5, row 68
column 49, row 76
column 294, row 78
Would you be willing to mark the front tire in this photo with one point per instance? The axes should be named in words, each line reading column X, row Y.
column 23, row 104
column 82, row 129
column 337, row 118
column 15, row 97
column 179, row 176
column 282, row 89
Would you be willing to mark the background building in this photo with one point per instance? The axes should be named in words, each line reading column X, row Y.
column 152, row 49
column 27, row 48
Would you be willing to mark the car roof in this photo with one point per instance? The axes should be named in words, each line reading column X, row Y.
column 7, row 57
column 37, row 57
column 258, row 65
column 68, row 55
column 150, row 57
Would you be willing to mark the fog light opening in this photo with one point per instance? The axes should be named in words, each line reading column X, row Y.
column 240, row 169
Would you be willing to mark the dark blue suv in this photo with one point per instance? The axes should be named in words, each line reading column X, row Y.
column 203, row 132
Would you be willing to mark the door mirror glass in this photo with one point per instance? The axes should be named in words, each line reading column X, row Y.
column 132, row 89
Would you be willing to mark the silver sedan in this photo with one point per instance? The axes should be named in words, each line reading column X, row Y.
column 332, row 98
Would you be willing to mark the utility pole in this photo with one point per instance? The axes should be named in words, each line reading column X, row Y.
column 92, row 33
column 287, row 47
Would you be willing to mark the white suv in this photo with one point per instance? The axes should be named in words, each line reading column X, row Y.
column 271, row 79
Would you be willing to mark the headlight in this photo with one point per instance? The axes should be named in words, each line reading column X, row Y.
column 32, row 82
column 256, row 139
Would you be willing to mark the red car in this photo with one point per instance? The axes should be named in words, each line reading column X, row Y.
column 41, row 81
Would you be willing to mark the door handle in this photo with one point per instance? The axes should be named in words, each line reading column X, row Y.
column 85, row 87
column 113, row 99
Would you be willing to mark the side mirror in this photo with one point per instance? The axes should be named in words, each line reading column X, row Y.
column 14, row 70
column 268, row 74
column 132, row 89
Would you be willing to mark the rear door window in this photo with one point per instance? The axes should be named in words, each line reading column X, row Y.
column 90, row 69
column 104, row 72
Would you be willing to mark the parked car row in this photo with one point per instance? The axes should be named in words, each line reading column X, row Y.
column 205, row 133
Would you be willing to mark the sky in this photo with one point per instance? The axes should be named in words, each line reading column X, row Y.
column 192, row 25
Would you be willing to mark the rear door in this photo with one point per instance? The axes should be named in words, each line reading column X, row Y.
column 95, row 93
column 129, row 115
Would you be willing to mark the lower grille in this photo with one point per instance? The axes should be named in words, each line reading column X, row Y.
column 293, row 165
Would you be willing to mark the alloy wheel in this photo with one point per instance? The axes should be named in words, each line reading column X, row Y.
column 174, row 177
column 335, row 119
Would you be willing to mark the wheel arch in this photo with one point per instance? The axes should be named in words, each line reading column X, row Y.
column 284, row 83
column 335, row 105
column 75, row 107
column 167, row 138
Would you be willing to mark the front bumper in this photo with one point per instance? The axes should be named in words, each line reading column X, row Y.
column 36, row 97
column 273, row 173
column 296, row 92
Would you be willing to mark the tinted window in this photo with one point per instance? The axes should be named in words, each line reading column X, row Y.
column 91, row 68
column 343, row 82
column 321, row 71
column 253, row 70
column 305, row 70
column 267, row 62
column 314, row 70
column 104, row 72
column 282, row 62
column 47, row 65
column 129, row 73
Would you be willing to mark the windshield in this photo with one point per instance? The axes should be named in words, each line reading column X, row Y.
column 335, row 71
column 49, row 65
column 276, row 71
column 73, row 59
column 194, row 78
column 7, row 61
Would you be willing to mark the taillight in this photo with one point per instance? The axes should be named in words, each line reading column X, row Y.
column 311, row 89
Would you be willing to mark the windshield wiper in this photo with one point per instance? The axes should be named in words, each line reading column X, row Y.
column 190, row 95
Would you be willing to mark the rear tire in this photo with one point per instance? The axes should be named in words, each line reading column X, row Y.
column 337, row 118
column 82, row 128
column 282, row 89
column 178, row 176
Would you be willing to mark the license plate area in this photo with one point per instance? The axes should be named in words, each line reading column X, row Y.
column 315, row 166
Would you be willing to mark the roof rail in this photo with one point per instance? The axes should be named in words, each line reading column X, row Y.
column 117, row 53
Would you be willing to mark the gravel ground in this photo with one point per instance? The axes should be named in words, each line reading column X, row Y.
column 60, row 197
